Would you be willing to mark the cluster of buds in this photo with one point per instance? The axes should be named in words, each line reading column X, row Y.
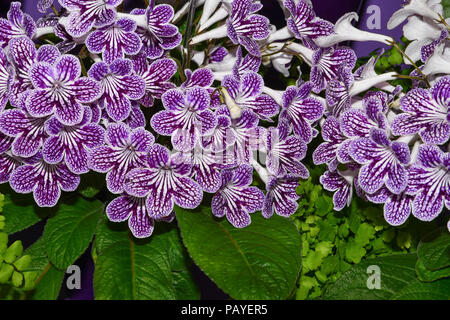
column 60, row 120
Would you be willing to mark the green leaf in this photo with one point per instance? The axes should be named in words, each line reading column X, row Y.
column 68, row 234
column 48, row 283
column 261, row 261
column 434, row 249
column 21, row 211
column 354, row 252
column 397, row 271
column 427, row 275
column 156, row 268
column 417, row 290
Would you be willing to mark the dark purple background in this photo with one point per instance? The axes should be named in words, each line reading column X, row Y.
column 330, row 10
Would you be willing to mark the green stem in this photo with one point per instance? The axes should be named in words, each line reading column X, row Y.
column 424, row 77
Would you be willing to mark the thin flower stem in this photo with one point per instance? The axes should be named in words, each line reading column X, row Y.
column 424, row 77
column 186, row 48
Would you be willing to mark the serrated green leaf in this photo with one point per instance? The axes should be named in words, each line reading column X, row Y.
column 156, row 268
column 68, row 234
column 261, row 261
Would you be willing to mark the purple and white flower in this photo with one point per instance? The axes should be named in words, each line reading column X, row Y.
column 134, row 210
column 72, row 143
column 119, row 85
column 397, row 207
column 28, row 132
column 303, row 22
column 157, row 34
column 281, row 196
column 429, row 182
column 244, row 27
column 383, row 162
column 45, row 181
column 23, row 56
column 285, row 152
column 156, row 76
column 187, row 117
column 86, row 14
column 60, row 90
column 327, row 64
column 18, row 24
column 115, row 40
column 6, row 77
column 301, row 110
column 341, row 185
column 246, row 93
column 334, row 149
column 125, row 150
column 426, row 112
column 164, row 182
column 236, row 199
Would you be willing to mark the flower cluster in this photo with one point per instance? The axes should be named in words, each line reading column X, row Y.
column 60, row 119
